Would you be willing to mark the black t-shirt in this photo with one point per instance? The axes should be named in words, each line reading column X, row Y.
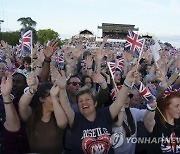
column 164, row 139
column 92, row 137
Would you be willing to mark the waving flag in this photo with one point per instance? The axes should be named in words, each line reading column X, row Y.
column 114, row 91
column 26, row 42
column 144, row 92
column 134, row 42
column 119, row 62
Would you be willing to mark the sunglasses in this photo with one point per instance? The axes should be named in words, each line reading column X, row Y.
column 75, row 83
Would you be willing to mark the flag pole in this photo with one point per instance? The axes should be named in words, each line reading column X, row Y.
column 112, row 76
column 31, row 53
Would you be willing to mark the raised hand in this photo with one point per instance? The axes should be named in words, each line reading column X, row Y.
column 54, row 92
column 78, row 51
column 105, row 38
column 98, row 78
column 49, row 49
column 32, row 81
column 6, row 85
column 61, row 80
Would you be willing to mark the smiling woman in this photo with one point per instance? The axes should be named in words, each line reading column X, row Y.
column 91, row 128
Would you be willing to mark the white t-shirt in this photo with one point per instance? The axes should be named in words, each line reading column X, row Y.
column 128, row 145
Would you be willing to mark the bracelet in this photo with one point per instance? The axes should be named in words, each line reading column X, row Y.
column 122, row 109
column 8, row 102
column 127, row 85
column 47, row 60
column 89, row 68
column 149, row 108
column 35, row 58
column 28, row 91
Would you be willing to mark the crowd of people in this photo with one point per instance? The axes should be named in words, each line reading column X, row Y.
column 67, row 100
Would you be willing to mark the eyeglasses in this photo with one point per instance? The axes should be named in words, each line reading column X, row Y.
column 75, row 83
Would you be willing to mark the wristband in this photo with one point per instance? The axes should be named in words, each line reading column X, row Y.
column 28, row 91
column 47, row 60
column 8, row 102
column 149, row 108
column 127, row 85
column 122, row 109
column 89, row 68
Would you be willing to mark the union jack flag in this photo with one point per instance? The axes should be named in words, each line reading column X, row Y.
column 114, row 91
column 119, row 63
column 144, row 92
column 169, row 90
column 134, row 42
column 26, row 41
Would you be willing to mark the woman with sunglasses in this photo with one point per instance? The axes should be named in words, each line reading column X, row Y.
column 46, row 121
column 163, row 125
column 91, row 129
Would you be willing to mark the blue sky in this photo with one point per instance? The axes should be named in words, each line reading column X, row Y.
column 68, row 17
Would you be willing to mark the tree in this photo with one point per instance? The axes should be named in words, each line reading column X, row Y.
column 44, row 35
column 27, row 23
column 11, row 38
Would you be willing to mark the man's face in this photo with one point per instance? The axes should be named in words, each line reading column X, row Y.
column 74, row 85
column 19, row 83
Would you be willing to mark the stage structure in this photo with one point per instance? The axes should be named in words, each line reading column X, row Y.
column 116, row 31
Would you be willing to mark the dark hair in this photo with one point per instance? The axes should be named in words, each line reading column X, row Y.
column 163, row 103
column 43, row 89
column 84, row 77
column 27, row 59
column 87, row 90
column 73, row 76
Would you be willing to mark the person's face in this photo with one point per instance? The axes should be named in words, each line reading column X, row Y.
column 47, row 103
column 2, row 69
column 27, row 66
column 19, row 83
column 88, row 82
column 173, row 109
column 117, row 76
column 74, row 85
column 86, row 104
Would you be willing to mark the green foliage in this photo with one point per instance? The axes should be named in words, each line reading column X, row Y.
column 27, row 23
column 45, row 35
column 11, row 38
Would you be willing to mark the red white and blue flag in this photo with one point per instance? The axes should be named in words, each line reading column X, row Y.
column 114, row 91
column 118, row 65
column 144, row 92
column 26, row 41
column 134, row 42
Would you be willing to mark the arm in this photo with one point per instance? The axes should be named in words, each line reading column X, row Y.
column 61, row 82
column 24, row 108
column 122, row 94
column 12, row 122
column 149, row 121
column 60, row 116
column 48, row 52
